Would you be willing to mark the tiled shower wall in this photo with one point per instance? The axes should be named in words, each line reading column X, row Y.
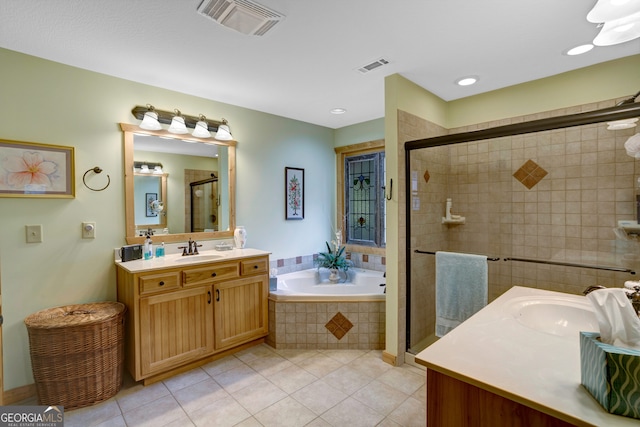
column 566, row 214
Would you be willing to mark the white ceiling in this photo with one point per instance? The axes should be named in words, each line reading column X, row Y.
column 307, row 64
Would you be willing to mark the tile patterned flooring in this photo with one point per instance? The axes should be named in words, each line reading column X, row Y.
column 263, row 386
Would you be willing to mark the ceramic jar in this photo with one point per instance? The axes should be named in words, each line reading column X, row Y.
column 240, row 237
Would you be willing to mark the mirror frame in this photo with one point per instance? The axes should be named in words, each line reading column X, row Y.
column 129, row 131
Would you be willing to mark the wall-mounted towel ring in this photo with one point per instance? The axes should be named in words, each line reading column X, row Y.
column 390, row 190
column 95, row 170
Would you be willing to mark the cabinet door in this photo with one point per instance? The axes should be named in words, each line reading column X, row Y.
column 241, row 310
column 175, row 328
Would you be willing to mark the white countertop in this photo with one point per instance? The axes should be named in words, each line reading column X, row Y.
column 495, row 352
column 177, row 260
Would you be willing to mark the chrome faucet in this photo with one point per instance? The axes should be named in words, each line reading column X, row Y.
column 191, row 248
column 591, row 289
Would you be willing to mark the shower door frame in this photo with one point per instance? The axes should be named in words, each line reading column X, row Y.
column 628, row 109
column 201, row 182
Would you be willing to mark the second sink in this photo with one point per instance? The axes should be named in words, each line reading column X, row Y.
column 560, row 316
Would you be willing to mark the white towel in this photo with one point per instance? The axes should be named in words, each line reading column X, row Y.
column 461, row 288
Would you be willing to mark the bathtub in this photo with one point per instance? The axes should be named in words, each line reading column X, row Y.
column 355, row 285
column 309, row 312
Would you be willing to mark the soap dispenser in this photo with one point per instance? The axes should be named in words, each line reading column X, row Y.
column 148, row 247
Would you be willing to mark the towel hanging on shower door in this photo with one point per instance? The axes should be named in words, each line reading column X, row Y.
column 461, row 288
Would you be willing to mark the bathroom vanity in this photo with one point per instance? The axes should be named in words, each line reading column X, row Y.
column 183, row 311
column 515, row 363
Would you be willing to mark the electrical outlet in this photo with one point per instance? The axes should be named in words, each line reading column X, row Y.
column 34, row 233
column 88, row 230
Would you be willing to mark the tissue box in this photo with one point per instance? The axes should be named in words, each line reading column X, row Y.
column 611, row 374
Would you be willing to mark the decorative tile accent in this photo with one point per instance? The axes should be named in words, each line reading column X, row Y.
column 530, row 174
column 339, row 325
column 302, row 325
column 426, row 176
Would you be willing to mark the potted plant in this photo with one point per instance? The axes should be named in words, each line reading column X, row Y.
column 334, row 261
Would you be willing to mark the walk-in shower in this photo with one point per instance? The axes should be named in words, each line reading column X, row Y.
column 204, row 204
column 541, row 197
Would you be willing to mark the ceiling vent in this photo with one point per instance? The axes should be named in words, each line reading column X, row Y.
column 373, row 65
column 244, row 16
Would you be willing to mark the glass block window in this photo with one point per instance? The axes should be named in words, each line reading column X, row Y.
column 364, row 199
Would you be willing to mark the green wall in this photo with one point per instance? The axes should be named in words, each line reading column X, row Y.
column 51, row 103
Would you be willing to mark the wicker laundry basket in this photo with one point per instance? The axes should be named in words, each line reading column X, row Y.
column 77, row 353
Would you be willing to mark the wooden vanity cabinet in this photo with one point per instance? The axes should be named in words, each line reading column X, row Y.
column 241, row 308
column 175, row 328
column 178, row 318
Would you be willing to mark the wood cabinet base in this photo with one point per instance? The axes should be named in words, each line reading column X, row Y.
column 454, row 403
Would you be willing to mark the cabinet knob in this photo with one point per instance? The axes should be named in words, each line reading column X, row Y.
column 161, row 283
column 255, row 266
column 213, row 274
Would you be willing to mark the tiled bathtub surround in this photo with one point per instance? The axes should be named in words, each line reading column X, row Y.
column 325, row 325
column 305, row 262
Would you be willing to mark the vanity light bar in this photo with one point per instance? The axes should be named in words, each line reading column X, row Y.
column 165, row 117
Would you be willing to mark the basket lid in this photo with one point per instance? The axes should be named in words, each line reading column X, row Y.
column 74, row 315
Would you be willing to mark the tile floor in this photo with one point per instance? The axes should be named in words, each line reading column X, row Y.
column 262, row 386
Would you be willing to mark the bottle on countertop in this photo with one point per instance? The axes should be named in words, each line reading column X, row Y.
column 160, row 250
column 448, row 210
column 148, row 248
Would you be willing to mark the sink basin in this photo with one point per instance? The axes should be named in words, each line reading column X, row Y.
column 191, row 258
column 560, row 316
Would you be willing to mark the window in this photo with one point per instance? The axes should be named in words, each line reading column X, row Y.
column 361, row 190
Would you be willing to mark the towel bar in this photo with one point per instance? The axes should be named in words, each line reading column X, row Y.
column 539, row 261
column 418, row 251
column 570, row 264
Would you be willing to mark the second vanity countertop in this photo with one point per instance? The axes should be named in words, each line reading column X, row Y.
column 177, row 260
column 495, row 352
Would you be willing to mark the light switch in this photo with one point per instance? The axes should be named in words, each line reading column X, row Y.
column 34, row 233
column 88, row 230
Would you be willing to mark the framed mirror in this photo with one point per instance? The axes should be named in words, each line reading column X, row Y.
column 195, row 185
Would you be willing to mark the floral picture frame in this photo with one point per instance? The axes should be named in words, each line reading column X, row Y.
column 149, row 199
column 30, row 169
column 294, row 193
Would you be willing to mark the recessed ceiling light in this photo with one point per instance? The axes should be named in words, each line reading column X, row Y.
column 579, row 50
column 338, row 111
column 467, row 81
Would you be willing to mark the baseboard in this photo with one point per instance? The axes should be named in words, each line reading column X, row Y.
column 18, row 394
column 391, row 359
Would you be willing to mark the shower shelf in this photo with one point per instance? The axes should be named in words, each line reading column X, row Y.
column 453, row 221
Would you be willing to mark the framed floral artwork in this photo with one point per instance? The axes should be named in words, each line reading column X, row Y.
column 29, row 169
column 294, row 193
column 150, row 199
